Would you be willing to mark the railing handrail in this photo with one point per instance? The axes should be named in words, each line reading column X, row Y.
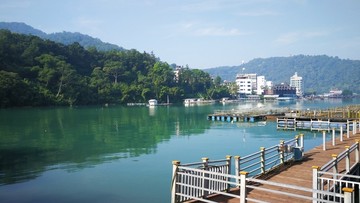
column 338, row 175
column 329, row 165
column 201, row 163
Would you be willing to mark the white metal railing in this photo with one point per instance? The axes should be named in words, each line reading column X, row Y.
column 244, row 183
column 330, row 185
column 269, row 158
column 332, row 189
column 201, row 179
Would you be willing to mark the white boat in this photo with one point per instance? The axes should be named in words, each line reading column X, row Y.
column 153, row 102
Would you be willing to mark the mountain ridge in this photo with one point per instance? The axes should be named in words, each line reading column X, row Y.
column 64, row 37
column 320, row 72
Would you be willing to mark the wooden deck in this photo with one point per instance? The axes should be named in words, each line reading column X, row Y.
column 296, row 173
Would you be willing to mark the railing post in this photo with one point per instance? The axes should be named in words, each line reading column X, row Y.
column 281, row 152
column 324, row 140
column 237, row 167
column 243, row 176
column 175, row 164
column 315, row 183
column 348, row 195
column 205, row 161
column 347, row 128
column 301, row 140
column 333, row 137
column 347, row 160
column 335, row 167
column 354, row 127
column 228, row 166
column 341, row 133
column 262, row 160
column 297, row 142
column 357, row 149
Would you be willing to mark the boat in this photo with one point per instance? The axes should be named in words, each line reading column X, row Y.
column 153, row 102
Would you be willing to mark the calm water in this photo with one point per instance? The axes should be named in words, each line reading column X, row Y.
column 121, row 154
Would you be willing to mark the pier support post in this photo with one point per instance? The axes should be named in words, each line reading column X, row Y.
column 228, row 166
column 348, row 195
column 333, row 137
column 347, row 159
column 205, row 161
column 315, row 183
column 243, row 176
column 341, row 133
column 237, row 167
column 347, row 128
column 262, row 159
column 324, row 140
column 335, row 168
column 175, row 170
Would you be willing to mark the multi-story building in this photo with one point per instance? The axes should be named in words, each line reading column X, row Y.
column 244, row 82
column 260, row 85
column 251, row 83
column 284, row 90
column 296, row 81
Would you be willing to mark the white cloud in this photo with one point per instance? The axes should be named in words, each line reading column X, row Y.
column 293, row 37
column 198, row 29
column 258, row 13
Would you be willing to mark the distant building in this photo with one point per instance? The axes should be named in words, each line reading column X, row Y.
column 260, row 85
column 296, row 81
column 251, row 83
column 245, row 83
column 284, row 90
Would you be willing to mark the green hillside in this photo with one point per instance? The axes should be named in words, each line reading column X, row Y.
column 320, row 73
column 37, row 72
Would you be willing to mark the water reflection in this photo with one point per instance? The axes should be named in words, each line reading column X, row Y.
column 35, row 140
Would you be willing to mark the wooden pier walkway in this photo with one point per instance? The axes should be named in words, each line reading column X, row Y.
column 294, row 173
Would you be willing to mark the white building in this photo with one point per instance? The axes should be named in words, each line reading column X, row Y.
column 244, row 82
column 296, row 81
column 260, row 85
column 249, row 83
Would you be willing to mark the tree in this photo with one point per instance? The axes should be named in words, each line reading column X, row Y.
column 114, row 69
column 161, row 75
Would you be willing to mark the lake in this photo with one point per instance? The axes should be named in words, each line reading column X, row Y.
column 123, row 154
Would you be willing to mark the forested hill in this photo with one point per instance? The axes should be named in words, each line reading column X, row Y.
column 320, row 73
column 37, row 72
column 66, row 38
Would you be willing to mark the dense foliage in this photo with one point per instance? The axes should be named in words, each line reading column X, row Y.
column 35, row 72
column 320, row 73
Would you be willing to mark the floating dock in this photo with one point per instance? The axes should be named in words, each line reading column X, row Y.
column 236, row 117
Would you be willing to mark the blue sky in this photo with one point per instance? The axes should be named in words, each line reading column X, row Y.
column 203, row 33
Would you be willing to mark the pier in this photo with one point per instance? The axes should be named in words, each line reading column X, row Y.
column 340, row 119
column 282, row 173
column 245, row 116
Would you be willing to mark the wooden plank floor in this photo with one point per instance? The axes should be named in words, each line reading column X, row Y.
column 297, row 173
